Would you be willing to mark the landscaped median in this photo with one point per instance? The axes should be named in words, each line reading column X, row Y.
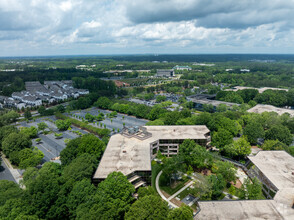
column 98, row 131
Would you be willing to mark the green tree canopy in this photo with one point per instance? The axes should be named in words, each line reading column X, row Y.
column 148, row 207
column 254, row 130
column 279, row 132
column 15, row 142
column 182, row 213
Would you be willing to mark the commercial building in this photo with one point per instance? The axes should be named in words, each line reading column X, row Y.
column 204, row 99
column 132, row 150
column 165, row 73
column 276, row 171
column 177, row 67
column 269, row 108
column 260, row 90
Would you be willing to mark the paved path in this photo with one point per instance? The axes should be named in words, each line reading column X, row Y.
column 181, row 190
column 14, row 172
column 160, row 193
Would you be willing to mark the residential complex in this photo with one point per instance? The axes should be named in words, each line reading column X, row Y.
column 36, row 94
column 275, row 169
column 132, row 150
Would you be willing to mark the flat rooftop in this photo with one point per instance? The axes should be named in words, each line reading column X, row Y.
column 127, row 155
column 260, row 90
column 277, row 166
column 208, row 99
column 243, row 209
column 269, row 108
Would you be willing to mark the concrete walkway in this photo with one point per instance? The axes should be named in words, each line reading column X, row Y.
column 160, row 193
column 14, row 172
column 181, row 190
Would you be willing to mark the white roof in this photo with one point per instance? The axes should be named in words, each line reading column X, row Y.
column 127, row 155
column 269, row 108
column 277, row 166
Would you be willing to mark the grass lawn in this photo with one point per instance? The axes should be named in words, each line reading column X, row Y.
column 171, row 191
column 183, row 194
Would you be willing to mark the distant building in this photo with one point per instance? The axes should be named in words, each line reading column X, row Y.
column 202, row 99
column 121, row 84
column 165, row 73
column 36, row 94
column 245, row 70
column 260, row 90
column 269, row 108
column 182, row 68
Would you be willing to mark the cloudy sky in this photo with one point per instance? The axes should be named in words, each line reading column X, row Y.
column 73, row 27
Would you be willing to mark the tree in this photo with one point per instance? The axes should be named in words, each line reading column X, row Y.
column 15, row 142
column 31, row 132
column 80, row 193
column 30, row 158
column 226, row 169
column 8, row 118
column 9, row 190
column 80, row 168
column 112, row 199
column 182, row 213
column 221, row 108
column 27, row 114
column 221, row 138
column 253, row 131
column 88, row 143
column 146, row 191
column 279, row 132
column 218, row 184
column 89, row 117
column 6, row 130
column 42, row 126
column 239, row 148
column 63, row 125
column 195, row 155
column 251, row 190
column 103, row 102
column 42, row 188
column 160, row 98
column 273, row 145
column 148, row 207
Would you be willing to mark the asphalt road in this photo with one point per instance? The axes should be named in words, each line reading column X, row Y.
column 5, row 173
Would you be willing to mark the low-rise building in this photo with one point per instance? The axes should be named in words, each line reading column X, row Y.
column 204, row 99
column 132, row 150
column 177, row 67
column 36, row 93
column 260, row 108
column 165, row 73
column 275, row 169
column 260, row 90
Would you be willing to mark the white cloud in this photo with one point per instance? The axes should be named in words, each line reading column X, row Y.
column 154, row 25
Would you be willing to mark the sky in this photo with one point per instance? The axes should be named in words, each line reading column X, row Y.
column 94, row 27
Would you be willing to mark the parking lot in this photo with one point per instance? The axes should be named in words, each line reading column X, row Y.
column 112, row 123
column 50, row 146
